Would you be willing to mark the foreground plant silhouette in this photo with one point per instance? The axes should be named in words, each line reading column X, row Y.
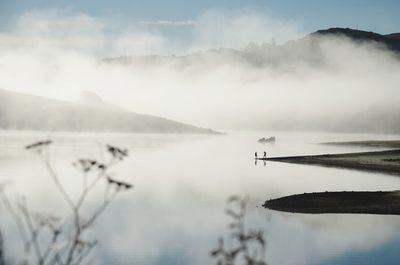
column 49, row 239
column 244, row 246
column 1, row 247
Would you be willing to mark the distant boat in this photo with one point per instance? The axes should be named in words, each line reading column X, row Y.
column 264, row 140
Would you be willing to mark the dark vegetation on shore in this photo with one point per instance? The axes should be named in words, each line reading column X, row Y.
column 372, row 143
column 380, row 161
column 387, row 161
column 360, row 202
column 364, row 202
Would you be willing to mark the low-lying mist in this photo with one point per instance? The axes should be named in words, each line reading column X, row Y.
column 308, row 83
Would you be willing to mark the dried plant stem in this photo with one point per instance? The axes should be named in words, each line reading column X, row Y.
column 74, row 249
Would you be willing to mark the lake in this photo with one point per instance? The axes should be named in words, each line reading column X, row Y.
column 175, row 213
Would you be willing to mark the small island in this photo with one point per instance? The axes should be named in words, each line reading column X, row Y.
column 341, row 202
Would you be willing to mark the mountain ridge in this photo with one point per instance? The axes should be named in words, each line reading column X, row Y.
column 29, row 112
column 390, row 41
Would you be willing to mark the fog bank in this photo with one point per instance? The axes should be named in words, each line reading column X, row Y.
column 215, row 80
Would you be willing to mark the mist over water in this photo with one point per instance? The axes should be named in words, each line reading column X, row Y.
column 176, row 210
column 249, row 73
column 331, row 83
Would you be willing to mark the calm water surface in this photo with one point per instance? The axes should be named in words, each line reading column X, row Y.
column 175, row 214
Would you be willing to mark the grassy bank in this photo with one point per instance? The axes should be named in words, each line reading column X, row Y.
column 381, row 202
column 375, row 144
column 380, row 161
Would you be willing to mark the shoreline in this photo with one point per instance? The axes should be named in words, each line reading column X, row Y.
column 395, row 144
column 387, row 162
column 341, row 202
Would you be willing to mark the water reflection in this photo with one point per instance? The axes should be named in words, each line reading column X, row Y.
column 175, row 213
column 263, row 161
column 245, row 244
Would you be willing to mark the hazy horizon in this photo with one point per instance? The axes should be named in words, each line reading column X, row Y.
column 276, row 82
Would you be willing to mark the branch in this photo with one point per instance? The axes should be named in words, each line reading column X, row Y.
column 17, row 219
column 34, row 231
column 54, row 176
column 56, row 234
column 100, row 210
column 101, row 175
column 78, row 227
column 85, row 254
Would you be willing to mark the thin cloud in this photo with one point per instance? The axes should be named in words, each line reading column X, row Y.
column 81, row 32
column 170, row 23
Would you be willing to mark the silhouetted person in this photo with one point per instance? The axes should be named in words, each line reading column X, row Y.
column 255, row 154
column 265, row 154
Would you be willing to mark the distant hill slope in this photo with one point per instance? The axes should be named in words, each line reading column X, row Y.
column 27, row 112
column 265, row 53
column 391, row 41
column 313, row 51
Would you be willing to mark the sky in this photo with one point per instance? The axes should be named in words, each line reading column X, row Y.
column 185, row 26
column 379, row 16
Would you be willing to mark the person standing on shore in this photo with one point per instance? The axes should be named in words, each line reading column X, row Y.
column 265, row 154
column 255, row 154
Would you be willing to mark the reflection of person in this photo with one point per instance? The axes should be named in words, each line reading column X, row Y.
column 255, row 154
column 265, row 154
